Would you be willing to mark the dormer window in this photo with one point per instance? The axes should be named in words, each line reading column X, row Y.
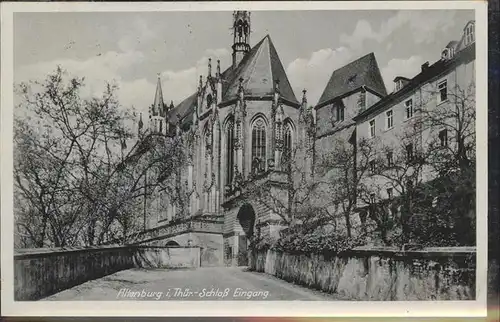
column 447, row 53
column 398, row 85
column 340, row 113
column 400, row 82
column 469, row 34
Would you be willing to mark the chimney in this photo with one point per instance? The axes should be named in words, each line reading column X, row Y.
column 425, row 66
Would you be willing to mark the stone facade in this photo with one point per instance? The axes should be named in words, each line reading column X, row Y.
column 243, row 121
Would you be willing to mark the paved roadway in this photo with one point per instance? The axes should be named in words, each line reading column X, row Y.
column 206, row 283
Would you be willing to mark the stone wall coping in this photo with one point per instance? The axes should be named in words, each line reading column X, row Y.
column 437, row 251
column 23, row 253
column 397, row 252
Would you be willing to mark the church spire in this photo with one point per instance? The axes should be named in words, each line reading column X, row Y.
column 158, row 103
column 241, row 36
column 141, row 124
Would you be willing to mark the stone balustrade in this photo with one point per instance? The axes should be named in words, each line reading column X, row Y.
column 182, row 226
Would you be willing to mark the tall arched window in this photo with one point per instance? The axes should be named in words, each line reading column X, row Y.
column 287, row 139
column 209, row 101
column 258, row 145
column 287, row 145
column 229, row 151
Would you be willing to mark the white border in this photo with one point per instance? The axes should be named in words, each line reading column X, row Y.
column 219, row 308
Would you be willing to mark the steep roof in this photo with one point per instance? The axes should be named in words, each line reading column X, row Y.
column 361, row 72
column 184, row 109
column 259, row 69
column 425, row 75
column 158, row 106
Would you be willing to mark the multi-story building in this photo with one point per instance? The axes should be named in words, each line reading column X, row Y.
column 424, row 128
column 243, row 123
column 424, row 112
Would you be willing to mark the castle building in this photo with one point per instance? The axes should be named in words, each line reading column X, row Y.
column 245, row 122
column 424, row 114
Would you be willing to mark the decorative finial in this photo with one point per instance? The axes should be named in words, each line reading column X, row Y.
column 240, row 86
column 304, row 98
column 158, row 74
column 218, row 67
column 201, row 82
column 209, row 66
column 140, row 122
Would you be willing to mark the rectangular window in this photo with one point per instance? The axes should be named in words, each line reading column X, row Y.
column 469, row 35
column 409, row 152
column 389, row 193
column 409, row 108
column 443, row 138
column 372, row 128
column 443, row 91
column 398, row 85
column 340, row 113
column 389, row 159
column 390, row 120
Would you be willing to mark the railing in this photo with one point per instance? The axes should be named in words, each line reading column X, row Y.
column 184, row 226
column 272, row 176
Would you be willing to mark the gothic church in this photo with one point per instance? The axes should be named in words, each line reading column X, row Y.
column 246, row 122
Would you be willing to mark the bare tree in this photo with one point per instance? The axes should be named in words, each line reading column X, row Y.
column 425, row 184
column 74, row 183
column 339, row 172
column 451, row 149
column 392, row 187
column 286, row 191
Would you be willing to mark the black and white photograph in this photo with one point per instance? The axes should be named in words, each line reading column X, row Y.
column 265, row 155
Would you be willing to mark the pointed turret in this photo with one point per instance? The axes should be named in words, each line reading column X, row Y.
column 140, row 125
column 276, row 92
column 200, row 85
column 241, row 33
column 303, row 107
column 158, row 106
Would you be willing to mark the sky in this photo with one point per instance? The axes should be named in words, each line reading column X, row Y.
column 130, row 49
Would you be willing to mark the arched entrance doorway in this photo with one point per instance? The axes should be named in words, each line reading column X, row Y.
column 172, row 243
column 246, row 218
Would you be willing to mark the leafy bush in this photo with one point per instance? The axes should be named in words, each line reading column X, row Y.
column 260, row 243
column 315, row 243
column 296, row 241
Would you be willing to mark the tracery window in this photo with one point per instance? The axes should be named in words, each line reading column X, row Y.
column 209, row 101
column 259, row 145
column 287, row 144
column 229, row 151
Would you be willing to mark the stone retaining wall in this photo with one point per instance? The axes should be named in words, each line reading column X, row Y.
column 42, row 272
column 379, row 274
